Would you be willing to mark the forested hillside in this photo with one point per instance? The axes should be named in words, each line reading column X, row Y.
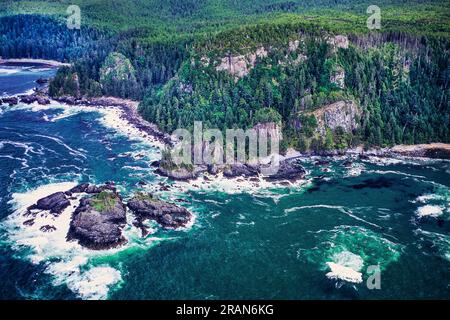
column 239, row 63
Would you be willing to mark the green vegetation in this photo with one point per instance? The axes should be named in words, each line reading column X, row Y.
column 144, row 196
column 165, row 53
column 104, row 201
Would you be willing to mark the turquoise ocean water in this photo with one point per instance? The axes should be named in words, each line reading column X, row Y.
column 245, row 243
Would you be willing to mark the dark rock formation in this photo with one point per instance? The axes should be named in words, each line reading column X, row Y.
column 12, row 101
column 347, row 164
column 322, row 163
column 35, row 97
column 240, row 170
column 92, row 189
column 182, row 173
column 42, row 81
column 55, row 203
column 170, row 216
column 99, row 226
column 29, row 222
column 290, row 170
column 47, row 228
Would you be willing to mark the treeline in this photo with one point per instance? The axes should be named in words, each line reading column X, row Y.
column 402, row 93
column 34, row 36
column 399, row 81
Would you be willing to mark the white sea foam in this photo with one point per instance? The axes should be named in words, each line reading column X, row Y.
column 429, row 211
column 112, row 118
column 93, row 284
column 339, row 272
column 8, row 71
column 346, row 266
column 346, row 211
column 68, row 258
column 238, row 185
column 427, row 197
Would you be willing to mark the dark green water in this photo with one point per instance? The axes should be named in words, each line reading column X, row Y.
column 256, row 243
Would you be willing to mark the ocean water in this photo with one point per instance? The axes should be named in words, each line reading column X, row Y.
column 247, row 241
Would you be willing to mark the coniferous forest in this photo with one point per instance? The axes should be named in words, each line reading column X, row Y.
column 177, row 57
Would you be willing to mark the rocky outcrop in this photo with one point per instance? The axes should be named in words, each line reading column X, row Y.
column 240, row 170
column 55, row 203
column 169, row 216
column 338, row 41
column 337, row 77
column 35, row 97
column 42, row 81
column 12, row 101
column 98, row 221
column 182, row 173
column 432, row 150
column 240, row 65
column 92, row 189
column 289, row 170
column 342, row 114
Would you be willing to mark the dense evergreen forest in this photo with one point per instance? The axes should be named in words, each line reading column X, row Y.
column 175, row 57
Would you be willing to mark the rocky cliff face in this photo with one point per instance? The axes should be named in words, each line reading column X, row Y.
column 338, row 77
column 342, row 114
column 240, row 65
column 339, row 41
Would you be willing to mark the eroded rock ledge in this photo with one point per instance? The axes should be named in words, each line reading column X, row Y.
column 146, row 207
column 290, row 170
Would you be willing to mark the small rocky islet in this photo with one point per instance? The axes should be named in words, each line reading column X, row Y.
column 98, row 220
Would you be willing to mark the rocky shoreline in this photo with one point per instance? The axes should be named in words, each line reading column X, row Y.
column 289, row 170
column 128, row 109
column 98, row 220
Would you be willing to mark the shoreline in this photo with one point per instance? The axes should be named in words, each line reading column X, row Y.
column 129, row 117
column 33, row 62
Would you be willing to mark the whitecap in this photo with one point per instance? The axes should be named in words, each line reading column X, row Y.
column 93, row 284
column 429, row 211
column 339, row 272
column 8, row 71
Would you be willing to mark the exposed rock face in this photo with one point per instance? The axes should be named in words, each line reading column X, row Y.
column 42, row 81
column 240, row 170
column 338, row 41
column 12, row 101
column 181, row 173
column 293, row 45
column 342, row 114
column 432, row 150
column 289, row 170
column 338, row 77
column 92, row 189
column 29, row 99
column 270, row 128
column 240, row 65
column 55, row 203
column 96, row 228
column 168, row 215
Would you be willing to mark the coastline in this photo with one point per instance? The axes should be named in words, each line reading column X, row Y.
column 127, row 118
column 38, row 62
